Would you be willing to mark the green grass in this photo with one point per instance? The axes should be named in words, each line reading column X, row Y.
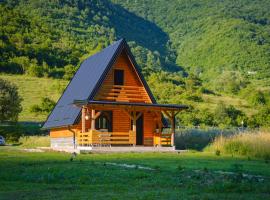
column 32, row 89
column 34, row 141
column 51, row 175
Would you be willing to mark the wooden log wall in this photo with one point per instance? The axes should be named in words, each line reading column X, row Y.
column 149, row 128
column 132, row 84
column 121, row 121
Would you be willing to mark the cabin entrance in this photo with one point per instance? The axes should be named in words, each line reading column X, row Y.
column 139, row 130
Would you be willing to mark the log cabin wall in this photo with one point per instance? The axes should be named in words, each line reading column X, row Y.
column 132, row 90
column 62, row 137
column 149, row 128
column 121, row 121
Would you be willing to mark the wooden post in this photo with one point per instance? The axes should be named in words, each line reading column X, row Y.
column 172, row 119
column 93, row 120
column 83, row 119
column 173, row 128
column 134, row 122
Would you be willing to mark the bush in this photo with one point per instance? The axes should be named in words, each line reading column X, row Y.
column 261, row 119
column 228, row 116
column 257, row 98
column 198, row 139
column 11, row 132
column 46, row 106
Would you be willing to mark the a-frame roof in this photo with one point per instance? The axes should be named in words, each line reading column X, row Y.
column 86, row 82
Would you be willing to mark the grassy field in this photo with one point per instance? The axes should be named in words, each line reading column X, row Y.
column 32, row 89
column 51, row 175
column 253, row 144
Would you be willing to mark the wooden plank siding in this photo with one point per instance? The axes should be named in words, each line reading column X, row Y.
column 121, row 121
column 63, row 132
column 132, row 91
column 149, row 128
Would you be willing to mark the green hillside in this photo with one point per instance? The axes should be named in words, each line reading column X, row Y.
column 212, row 36
column 204, row 53
column 32, row 89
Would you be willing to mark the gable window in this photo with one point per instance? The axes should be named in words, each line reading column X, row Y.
column 118, row 77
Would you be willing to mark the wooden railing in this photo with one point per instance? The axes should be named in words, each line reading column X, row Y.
column 163, row 139
column 97, row 138
column 123, row 93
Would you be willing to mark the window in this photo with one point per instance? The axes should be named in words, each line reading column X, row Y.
column 104, row 121
column 118, row 77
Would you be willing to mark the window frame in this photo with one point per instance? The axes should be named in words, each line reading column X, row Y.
column 114, row 76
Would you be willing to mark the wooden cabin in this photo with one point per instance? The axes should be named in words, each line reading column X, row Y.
column 108, row 103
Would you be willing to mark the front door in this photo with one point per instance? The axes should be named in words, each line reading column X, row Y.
column 139, row 131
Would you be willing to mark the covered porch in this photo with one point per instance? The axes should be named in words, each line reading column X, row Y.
column 92, row 136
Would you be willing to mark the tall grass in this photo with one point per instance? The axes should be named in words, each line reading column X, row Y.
column 255, row 144
column 198, row 139
column 34, row 141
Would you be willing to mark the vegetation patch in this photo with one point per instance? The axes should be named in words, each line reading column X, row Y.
column 247, row 144
column 34, row 141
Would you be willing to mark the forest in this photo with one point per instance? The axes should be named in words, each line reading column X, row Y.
column 199, row 50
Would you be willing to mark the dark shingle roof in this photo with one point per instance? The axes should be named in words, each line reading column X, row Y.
column 81, row 86
column 85, row 84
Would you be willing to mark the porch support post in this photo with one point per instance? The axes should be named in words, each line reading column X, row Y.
column 173, row 128
column 134, row 118
column 83, row 119
column 93, row 120
column 171, row 116
column 158, row 120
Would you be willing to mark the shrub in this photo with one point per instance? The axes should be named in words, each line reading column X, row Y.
column 197, row 139
column 257, row 98
column 11, row 132
column 217, row 152
column 46, row 106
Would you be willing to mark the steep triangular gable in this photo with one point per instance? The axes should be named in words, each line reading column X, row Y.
column 86, row 83
column 133, row 89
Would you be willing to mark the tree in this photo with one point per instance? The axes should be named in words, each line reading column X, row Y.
column 257, row 98
column 46, row 106
column 10, row 102
column 228, row 116
column 261, row 119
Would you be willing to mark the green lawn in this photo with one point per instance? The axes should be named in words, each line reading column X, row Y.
column 51, row 175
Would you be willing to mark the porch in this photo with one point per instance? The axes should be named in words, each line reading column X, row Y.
column 126, row 124
column 95, row 138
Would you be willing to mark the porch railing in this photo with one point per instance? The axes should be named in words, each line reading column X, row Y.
column 163, row 139
column 98, row 138
column 123, row 93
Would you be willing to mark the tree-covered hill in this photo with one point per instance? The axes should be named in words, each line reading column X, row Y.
column 197, row 52
column 212, row 36
column 50, row 38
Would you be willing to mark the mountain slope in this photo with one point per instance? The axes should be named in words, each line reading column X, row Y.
column 197, row 52
column 212, row 36
column 42, row 37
